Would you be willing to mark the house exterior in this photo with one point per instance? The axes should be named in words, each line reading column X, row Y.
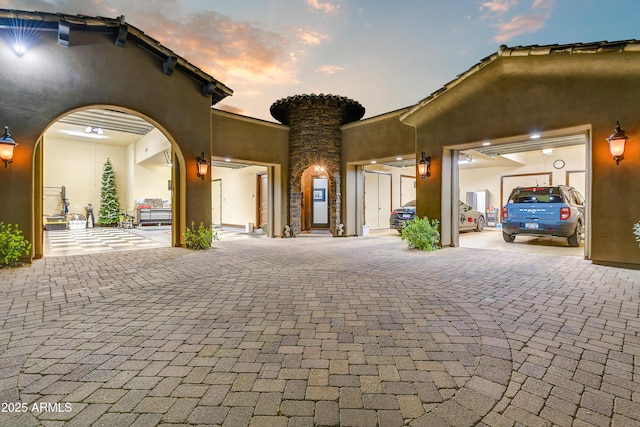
column 78, row 62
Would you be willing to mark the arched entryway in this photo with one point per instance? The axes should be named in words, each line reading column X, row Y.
column 70, row 160
column 317, row 199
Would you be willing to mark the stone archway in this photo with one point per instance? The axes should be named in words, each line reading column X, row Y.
column 315, row 139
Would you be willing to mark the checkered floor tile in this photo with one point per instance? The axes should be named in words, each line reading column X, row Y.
column 68, row 242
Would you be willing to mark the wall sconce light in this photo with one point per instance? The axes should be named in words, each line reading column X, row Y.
column 616, row 143
column 203, row 166
column 424, row 166
column 7, row 144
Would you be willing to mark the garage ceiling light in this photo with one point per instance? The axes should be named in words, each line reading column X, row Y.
column 547, row 151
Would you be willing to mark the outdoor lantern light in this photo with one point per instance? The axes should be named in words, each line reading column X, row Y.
column 616, row 143
column 7, row 144
column 424, row 166
column 203, row 166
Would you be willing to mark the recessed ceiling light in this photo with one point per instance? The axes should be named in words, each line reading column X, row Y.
column 84, row 135
column 399, row 158
column 547, row 151
column 373, row 162
column 486, row 144
column 227, row 159
column 535, row 136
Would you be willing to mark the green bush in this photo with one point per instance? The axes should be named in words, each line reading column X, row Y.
column 422, row 234
column 12, row 244
column 201, row 238
column 636, row 231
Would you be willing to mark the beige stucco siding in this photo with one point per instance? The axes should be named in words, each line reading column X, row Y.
column 382, row 137
column 251, row 140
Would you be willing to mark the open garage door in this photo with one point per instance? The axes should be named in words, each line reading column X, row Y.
column 107, row 184
column 494, row 168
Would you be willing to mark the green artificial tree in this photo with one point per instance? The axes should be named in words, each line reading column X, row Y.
column 109, row 204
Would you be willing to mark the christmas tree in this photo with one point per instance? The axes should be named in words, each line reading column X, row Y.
column 109, row 204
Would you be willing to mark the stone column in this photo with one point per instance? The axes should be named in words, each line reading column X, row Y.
column 315, row 139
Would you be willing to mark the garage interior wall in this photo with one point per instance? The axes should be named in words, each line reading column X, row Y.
column 488, row 178
column 238, row 194
column 78, row 166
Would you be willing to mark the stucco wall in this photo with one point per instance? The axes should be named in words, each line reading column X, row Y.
column 381, row 137
column 518, row 95
column 49, row 81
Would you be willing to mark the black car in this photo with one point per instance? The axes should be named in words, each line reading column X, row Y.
column 401, row 215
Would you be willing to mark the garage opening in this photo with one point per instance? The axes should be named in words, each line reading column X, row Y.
column 485, row 173
column 240, row 198
column 107, row 184
column 388, row 185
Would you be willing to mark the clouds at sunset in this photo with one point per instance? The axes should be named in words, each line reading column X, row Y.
column 230, row 50
column 265, row 50
column 531, row 21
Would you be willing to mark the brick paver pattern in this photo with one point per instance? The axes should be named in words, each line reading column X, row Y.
column 319, row 332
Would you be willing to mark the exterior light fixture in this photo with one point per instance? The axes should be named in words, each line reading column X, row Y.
column 424, row 166
column 616, row 143
column 7, row 144
column 203, row 166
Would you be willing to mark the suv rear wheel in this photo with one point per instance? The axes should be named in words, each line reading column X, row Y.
column 509, row 238
column 574, row 239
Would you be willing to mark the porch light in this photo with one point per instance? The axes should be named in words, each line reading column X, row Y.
column 7, row 144
column 203, row 166
column 616, row 143
column 424, row 166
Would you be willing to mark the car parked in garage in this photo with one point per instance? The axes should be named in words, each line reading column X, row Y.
column 401, row 215
column 544, row 211
column 470, row 219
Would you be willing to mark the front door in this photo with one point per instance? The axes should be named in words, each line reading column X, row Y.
column 263, row 197
column 320, row 203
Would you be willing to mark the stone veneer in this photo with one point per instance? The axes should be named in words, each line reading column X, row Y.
column 315, row 138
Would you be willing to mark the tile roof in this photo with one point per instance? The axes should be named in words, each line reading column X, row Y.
column 44, row 21
column 353, row 109
column 532, row 50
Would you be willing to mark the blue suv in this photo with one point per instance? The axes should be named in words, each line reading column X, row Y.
column 544, row 211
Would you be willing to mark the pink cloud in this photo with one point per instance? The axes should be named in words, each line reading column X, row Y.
column 329, row 69
column 327, row 7
column 499, row 6
column 518, row 25
column 525, row 23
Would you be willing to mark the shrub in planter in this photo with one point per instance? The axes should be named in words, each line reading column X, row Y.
column 201, row 238
column 12, row 244
column 636, row 231
column 422, row 234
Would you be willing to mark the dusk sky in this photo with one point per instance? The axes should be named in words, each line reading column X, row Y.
column 385, row 54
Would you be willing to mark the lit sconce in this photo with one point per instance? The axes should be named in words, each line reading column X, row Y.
column 424, row 166
column 617, row 141
column 7, row 144
column 203, row 166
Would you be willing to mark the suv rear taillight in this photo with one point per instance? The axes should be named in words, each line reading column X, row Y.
column 505, row 213
column 565, row 213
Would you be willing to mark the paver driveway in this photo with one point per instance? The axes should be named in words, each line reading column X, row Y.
column 319, row 331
